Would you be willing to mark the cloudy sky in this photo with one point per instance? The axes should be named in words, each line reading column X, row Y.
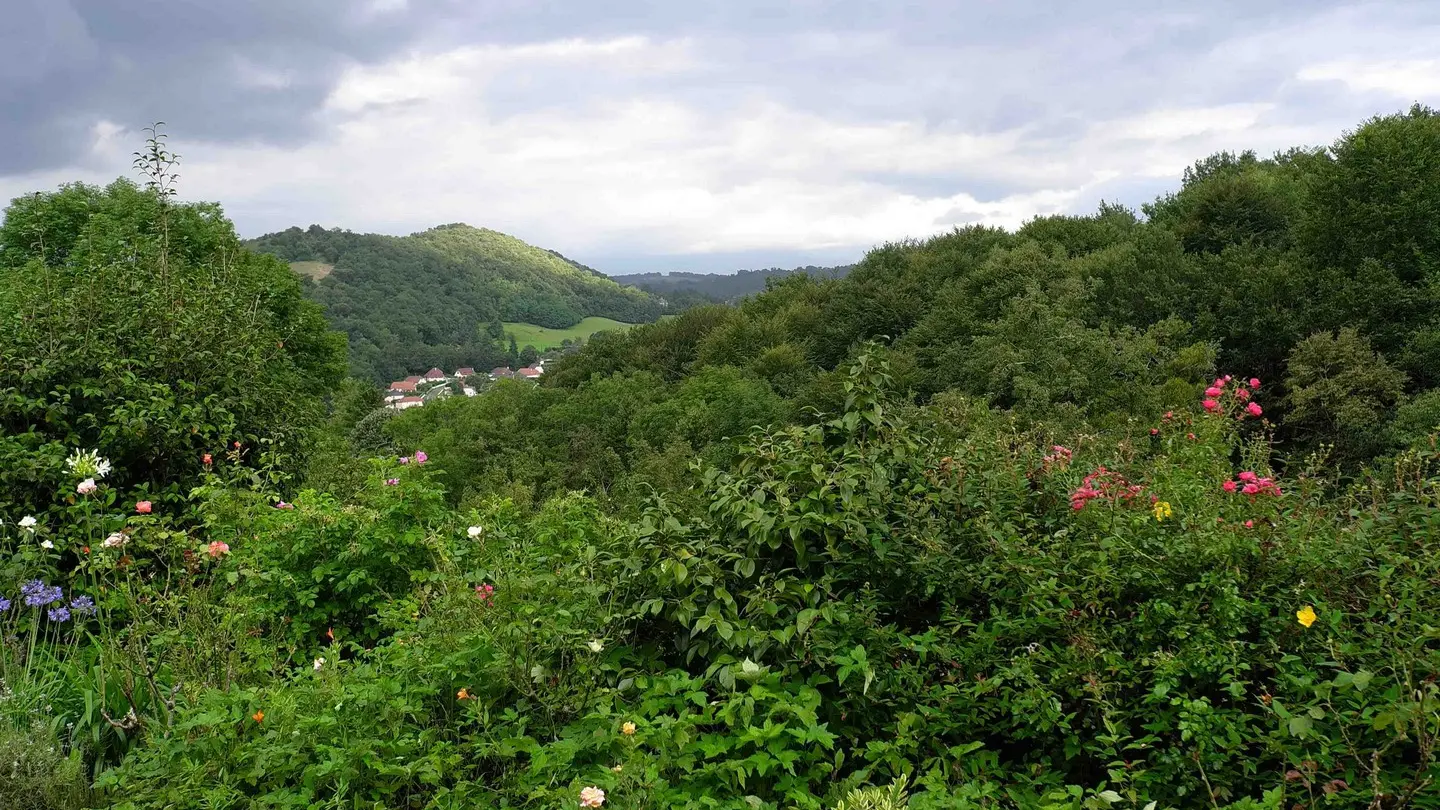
column 659, row 134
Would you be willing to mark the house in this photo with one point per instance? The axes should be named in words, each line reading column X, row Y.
column 462, row 373
column 434, row 375
column 408, row 402
column 470, row 392
column 413, row 380
column 529, row 373
column 501, row 371
column 404, row 386
column 394, row 396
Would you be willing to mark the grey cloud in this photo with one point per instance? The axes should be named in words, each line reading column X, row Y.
column 214, row 69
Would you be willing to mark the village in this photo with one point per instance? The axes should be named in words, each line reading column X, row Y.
column 435, row 384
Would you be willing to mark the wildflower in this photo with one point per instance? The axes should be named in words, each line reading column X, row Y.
column 217, row 548
column 82, row 605
column 1255, row 382
column 27, row 523
column 84, row 549
column 628, row 729
column 591, row 797
column 1306, row 616
column 475, row 531
column 485, row 592
column 87, row 464
column 464, row 694
column 618, row 768
column 1169, row 414
column 404, row 459
column 59, row 614
column 1211, row 405
column 142, row 507
column 390, row 482
column 86, row 487
column 595, row 645
column 258, row 717
column 115, row 540
column 1190, row 436
column 1254, row 409
column 330, row 633
column 420, row 457
column 1162, row 510
column 38, row 594
column 284, row 505
column 206, row 460
column 46, row 544
column 319, row 662
column 4, row 604
column 1249, row 524
column 237, row 445
column 1154, row 431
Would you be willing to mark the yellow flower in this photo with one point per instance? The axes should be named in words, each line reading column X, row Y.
column 1306, row 615
column 1163, row 510
column 618, row 768
column 628, row 728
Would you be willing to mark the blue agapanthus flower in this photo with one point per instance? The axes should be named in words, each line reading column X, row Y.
column 59, row 614
column 82, row 605
column 38, row 594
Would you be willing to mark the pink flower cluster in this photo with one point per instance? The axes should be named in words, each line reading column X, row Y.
column 1249, row 483
column 1059, row 457
column 485, row 593
column 1215, row 394
column 420, row 458
column 1103, row 483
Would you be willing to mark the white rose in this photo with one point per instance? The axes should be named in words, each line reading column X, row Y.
column 115, row 540
column 595, row 645
column 46, row 544
column 28, row 523
column 475, row 531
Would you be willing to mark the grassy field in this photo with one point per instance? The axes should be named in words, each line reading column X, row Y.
column 528, row 334
column 315, row 270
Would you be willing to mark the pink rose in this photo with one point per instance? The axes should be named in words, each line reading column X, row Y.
column 1228, row 486
column 142, row 507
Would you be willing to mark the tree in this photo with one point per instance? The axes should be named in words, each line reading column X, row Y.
column 1342, row 392
column 139, row 327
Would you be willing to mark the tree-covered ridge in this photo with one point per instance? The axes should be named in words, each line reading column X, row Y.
column 436, row 298
column 1317, row 270
column 681, row 289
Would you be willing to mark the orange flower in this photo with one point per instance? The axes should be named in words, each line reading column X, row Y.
column 463, row 694
column 258, row 717
column 330, row 634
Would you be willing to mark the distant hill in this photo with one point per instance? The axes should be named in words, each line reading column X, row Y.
column 440, row 297
column 682, row 290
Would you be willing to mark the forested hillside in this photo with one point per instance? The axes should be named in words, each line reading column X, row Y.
column 683, row 290
column 437, row 298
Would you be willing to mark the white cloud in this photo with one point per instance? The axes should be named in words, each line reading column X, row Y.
column 638, row 145
column 1408, row 79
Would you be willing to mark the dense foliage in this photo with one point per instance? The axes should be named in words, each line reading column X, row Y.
column 1000, row 520
column 437, row 298
column 140, row 327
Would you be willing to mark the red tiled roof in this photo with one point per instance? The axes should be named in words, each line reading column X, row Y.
column 403, row 385
column 412, row 379
column 464, row 372
column 529, row 372
column 434, row 374
column 413, row 399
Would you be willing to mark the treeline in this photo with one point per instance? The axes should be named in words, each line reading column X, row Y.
column 1316, row 270
column 683, row 290
column 436, row 298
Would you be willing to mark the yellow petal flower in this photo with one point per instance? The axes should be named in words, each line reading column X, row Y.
column 1306, row 615
column 628, row 728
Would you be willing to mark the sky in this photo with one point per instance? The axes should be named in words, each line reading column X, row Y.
column 655, row 135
